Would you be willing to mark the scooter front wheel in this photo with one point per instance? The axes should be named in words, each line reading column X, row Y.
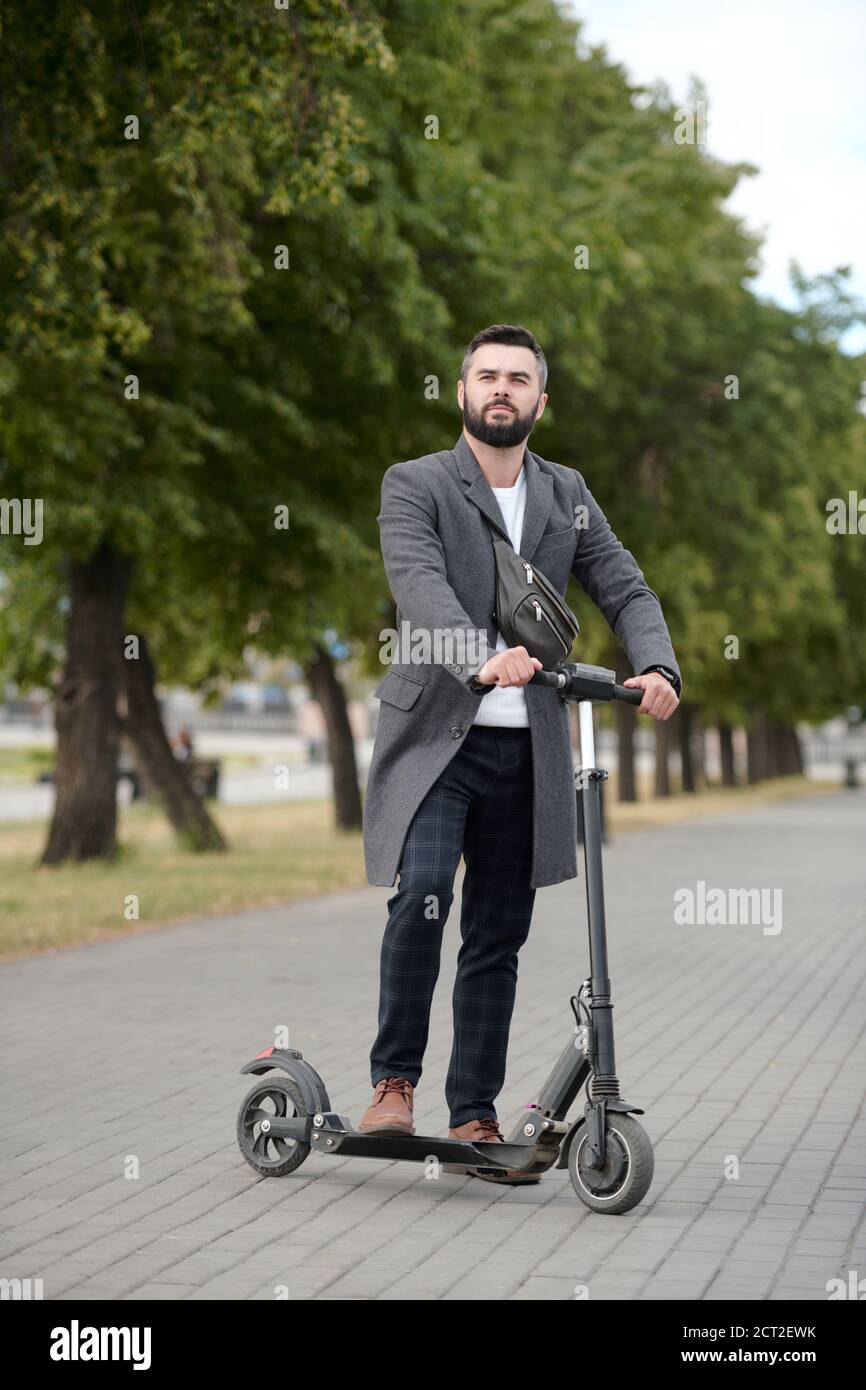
column 625, row 1178
column 271, row 1156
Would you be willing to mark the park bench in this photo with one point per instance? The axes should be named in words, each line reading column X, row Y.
column 203, row 772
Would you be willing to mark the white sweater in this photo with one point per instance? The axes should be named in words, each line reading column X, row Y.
column 507, row 708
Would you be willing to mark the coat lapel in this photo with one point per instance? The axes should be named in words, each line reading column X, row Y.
column 539, row 495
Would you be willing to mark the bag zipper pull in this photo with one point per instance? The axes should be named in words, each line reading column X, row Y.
column 537, row 606
column 528, row 568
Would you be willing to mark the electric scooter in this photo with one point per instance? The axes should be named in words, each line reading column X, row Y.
column 608, row 1154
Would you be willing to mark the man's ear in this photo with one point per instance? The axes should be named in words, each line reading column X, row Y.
column 460, row 392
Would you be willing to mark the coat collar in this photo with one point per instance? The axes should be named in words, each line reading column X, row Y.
column 539, row 494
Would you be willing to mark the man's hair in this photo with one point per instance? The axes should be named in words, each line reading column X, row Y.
column 514, row 336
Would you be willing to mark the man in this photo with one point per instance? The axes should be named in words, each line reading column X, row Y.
column 469, row 759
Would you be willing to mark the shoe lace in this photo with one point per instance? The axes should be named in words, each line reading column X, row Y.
column 491, row 1127
column 397, row 1083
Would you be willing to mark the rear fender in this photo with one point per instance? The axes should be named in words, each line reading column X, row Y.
column 289, row 1060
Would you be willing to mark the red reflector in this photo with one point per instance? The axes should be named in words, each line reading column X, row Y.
column 267, row 1052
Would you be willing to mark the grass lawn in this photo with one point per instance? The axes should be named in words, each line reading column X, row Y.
column 279, row 853
column 24, row 762
column 712, row 801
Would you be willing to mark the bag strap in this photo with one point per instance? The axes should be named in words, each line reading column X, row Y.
column 497, row 534
column 496, row 531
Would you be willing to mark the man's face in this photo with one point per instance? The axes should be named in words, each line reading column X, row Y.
column 501, row 399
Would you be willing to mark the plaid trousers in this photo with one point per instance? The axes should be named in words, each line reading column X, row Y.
column 480, row 806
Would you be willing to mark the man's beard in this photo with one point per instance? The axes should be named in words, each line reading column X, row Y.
column 501, row 434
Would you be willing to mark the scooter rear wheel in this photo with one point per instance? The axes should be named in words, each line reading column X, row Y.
column 270, row 1155
column 628, row 1169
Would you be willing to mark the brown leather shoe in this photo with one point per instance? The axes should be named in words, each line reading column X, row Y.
column 484, row 1130
column 390, row 1111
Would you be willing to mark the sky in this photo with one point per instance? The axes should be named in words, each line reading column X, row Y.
column 785, row 86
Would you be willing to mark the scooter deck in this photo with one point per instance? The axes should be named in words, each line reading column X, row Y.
column 490, row 1155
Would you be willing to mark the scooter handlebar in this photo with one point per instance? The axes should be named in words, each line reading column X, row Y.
column 578, row 682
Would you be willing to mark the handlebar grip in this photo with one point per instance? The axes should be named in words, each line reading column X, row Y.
column 546, row 678
column 629, row 694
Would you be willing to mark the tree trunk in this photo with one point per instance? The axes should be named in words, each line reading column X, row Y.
column 754, row 770
column 683, row 718
column 326, row 688
column 756, row 748
column 790, row 753
column 699, row 751
column 165, row 774
column 726, row 755
column 84, row 821
column 626, row 785
column 663, row 743
column 780, row 752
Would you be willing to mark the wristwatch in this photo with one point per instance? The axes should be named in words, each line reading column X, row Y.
column 668, row 674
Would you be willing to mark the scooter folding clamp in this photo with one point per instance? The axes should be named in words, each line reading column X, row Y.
column 584, row 775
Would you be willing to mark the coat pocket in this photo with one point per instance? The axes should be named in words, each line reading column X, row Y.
column 398, row 690
column 555, row 538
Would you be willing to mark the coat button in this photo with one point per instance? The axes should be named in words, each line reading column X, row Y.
column 456, row 731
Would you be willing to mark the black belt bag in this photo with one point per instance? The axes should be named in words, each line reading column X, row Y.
column 529, row 611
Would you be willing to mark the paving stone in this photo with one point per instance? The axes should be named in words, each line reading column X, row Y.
column 719, row 1051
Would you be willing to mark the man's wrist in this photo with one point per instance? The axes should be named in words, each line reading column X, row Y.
column 669, row 675
column 471, row 681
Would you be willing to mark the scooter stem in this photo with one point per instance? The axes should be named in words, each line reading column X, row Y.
column 587, row 734
column 602, row 1007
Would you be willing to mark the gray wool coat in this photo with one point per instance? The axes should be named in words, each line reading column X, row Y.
column 439, row 560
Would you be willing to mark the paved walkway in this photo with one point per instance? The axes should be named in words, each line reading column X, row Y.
column 746, row 1048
